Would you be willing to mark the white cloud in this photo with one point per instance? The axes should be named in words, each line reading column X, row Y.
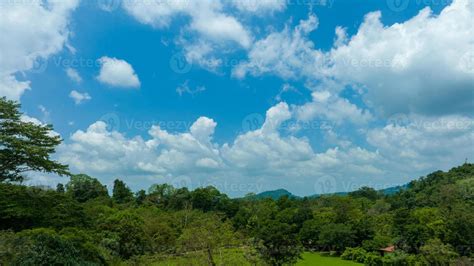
column 332, row 108
column 207, row 163
column 219, row 27
column 412, row 66
column 422, row 65
column 208, row 33
column 207, row 18
column 11, row 88
column 73, row 75
column 201, row 53
column 266, row 159
column 288, row 54
column 186, row 89
column 420, row 143
column 117, row 73
column 203, row 129
column 156, row 13
column 261, row 158
column 259, row 6
column 46, row 114
column 31, row 32
column 99, row 151
column 79, row 97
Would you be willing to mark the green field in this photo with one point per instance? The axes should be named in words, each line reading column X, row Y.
column 313, row 259
column 236, row 257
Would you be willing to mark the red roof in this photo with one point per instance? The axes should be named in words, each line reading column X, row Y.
column 388, row 249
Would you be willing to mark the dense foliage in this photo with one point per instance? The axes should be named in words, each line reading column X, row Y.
column 430, row 222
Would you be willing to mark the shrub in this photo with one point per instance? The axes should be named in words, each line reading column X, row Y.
column 355, row 254
column 44, row 247
column 436, row 252
column 373, row 259
column 402, row 258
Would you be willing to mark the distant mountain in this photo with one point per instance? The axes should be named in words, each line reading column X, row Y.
column 393, row 190
column 274, row 194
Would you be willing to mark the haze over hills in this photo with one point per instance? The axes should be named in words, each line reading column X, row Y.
column 278, row 193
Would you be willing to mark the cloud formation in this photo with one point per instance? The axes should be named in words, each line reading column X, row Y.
column 269, row 159
column 73, row 75
column 207, row 18
column 79, row 97
column 423, row 65
column 31, row 33
column 117, row 73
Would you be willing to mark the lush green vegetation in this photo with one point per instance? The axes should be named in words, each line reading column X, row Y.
column 314, row 258
column 431, row 222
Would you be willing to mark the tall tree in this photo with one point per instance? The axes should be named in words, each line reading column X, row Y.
column 83, row 188
column 121, row 193
column 277, row 243
column 207, row 234
column 25, row 146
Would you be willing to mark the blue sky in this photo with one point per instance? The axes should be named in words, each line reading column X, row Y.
column 311, row 96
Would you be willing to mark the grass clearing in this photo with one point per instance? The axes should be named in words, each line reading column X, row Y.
column 314, row 259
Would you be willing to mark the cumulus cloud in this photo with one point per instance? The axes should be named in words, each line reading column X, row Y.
column 221, row 27
column 335, row 109
column 209, row 33
column 267, row 159
column 117, row 73
column 288, row 54
column 414, row 66
column 79, row 97
column 420, row 65
column 100, row 151
column 207, row 18
column 31, row 33
column 422, row 142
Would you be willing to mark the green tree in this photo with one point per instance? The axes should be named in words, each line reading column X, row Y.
column 126, row 230
column 365, row 192
column 140, row 196
column 43, row 246
column 121, row 193
column 437, row 253
column 277, row 243
column 207, row 233
column 24, row 207
column 309, row 233
column 336, row 237
column 60, row 188
column 204, row 198
column 83, row 188
column 25, row 146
